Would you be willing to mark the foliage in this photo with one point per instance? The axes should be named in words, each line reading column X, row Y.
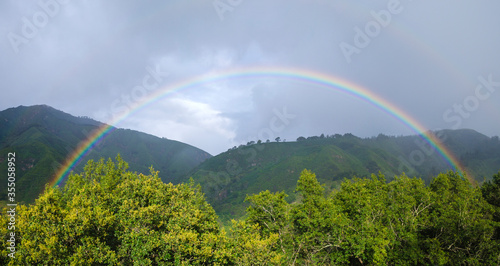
column 491, row 193
column 109, row 215
column 371, row 221
column 251, row 248
column 227, row 178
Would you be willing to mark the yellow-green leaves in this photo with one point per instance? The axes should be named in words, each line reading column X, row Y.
column 110, row 216
column 251, row 248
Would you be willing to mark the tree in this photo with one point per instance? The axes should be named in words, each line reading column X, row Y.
column 108, row 215
column 406, row 213
column 460, row 224
column 318, row 226
column 250, row 247
column 363, row 202
column 491, row 190
column 270, row 212
column 301, row 139
column 307, row 217
column 491, row 193
column 278, row 139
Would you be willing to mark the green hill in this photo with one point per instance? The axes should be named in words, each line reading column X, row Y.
column 228, row 177
column 43, row 137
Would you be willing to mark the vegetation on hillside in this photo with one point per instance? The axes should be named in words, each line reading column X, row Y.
column 228, row 177
column 108, row 215
column 44, row 137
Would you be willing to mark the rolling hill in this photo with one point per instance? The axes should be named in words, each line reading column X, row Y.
column 228, row 177
column 43, row 137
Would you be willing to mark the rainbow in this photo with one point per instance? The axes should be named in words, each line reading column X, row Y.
column 313, row 77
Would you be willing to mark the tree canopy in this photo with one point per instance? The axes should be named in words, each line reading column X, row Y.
column 109, row 215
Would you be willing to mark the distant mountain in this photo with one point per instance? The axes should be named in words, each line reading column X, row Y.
column 43, row 137
column 228, row 177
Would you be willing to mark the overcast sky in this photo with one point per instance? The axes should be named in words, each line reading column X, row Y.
column 437, row 60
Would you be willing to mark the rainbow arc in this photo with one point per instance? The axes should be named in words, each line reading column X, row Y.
column 313, row 77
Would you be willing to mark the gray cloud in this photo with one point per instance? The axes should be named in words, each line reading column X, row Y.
column 86, row 56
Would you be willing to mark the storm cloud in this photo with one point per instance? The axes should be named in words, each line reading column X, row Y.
column 437, row 61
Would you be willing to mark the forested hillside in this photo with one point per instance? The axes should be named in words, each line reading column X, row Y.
column 108, row 215
column 44, row 137
column 228, row 177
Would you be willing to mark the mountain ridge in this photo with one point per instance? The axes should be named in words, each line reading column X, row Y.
column 43, row 137
column 229, row 177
